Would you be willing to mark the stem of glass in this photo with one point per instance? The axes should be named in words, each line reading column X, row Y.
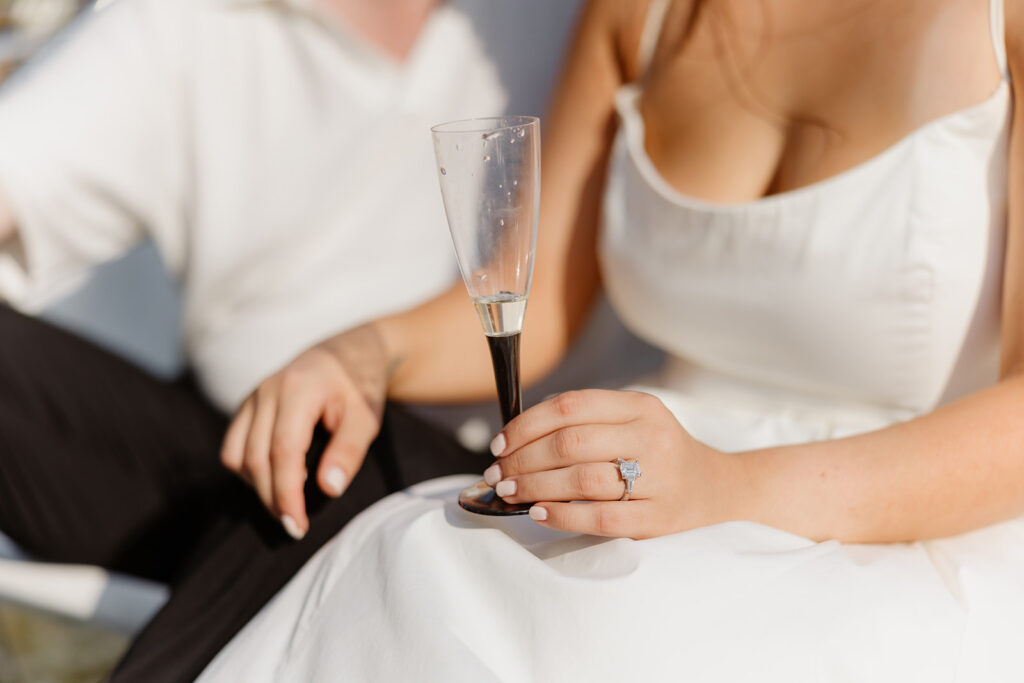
column 505, row 359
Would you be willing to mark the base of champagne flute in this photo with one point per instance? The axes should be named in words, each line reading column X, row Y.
column 481, row 499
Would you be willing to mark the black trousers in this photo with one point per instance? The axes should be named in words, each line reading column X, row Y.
column 101, row 463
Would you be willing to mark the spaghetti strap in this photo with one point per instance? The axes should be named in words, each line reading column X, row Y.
column 652, row 31
column 997, row 24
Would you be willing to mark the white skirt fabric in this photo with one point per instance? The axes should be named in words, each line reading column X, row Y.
column 417, row 589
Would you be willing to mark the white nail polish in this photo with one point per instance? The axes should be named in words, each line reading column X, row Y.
column 291, row 527
column 336, row 481
column 498, row 444
column 506, row 488
column 538, row 513
column 492, row 475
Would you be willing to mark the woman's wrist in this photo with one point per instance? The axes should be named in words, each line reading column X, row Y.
column 739, row 495
column 728, row 488
column 749, row 480
column 788, row 488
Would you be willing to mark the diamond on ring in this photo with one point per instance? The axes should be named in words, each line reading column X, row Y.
column 630, row 472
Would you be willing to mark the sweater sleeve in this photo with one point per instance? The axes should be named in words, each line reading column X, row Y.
column 91, row 150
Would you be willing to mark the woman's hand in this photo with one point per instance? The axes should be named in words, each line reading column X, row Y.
column 341, row 382
column 565, row 449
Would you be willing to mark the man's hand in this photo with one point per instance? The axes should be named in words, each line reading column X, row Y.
column 341, row 382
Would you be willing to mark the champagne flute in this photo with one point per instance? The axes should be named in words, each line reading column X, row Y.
column 489, row 170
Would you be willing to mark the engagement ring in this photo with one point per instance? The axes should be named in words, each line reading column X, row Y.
column 630, row 472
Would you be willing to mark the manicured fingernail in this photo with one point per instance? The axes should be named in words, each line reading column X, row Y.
column 291, row 527
column 538, row 513
column 505, row 488
column 498, row 445
column 492, row 475
column 336, row 481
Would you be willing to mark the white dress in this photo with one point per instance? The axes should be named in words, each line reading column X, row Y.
column 838, row 308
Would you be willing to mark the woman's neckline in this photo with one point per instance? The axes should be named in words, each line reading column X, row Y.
column 633, row 127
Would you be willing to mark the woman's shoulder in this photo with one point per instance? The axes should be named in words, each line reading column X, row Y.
column 624, row 24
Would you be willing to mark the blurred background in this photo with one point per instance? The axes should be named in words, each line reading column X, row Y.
column 132, row 306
